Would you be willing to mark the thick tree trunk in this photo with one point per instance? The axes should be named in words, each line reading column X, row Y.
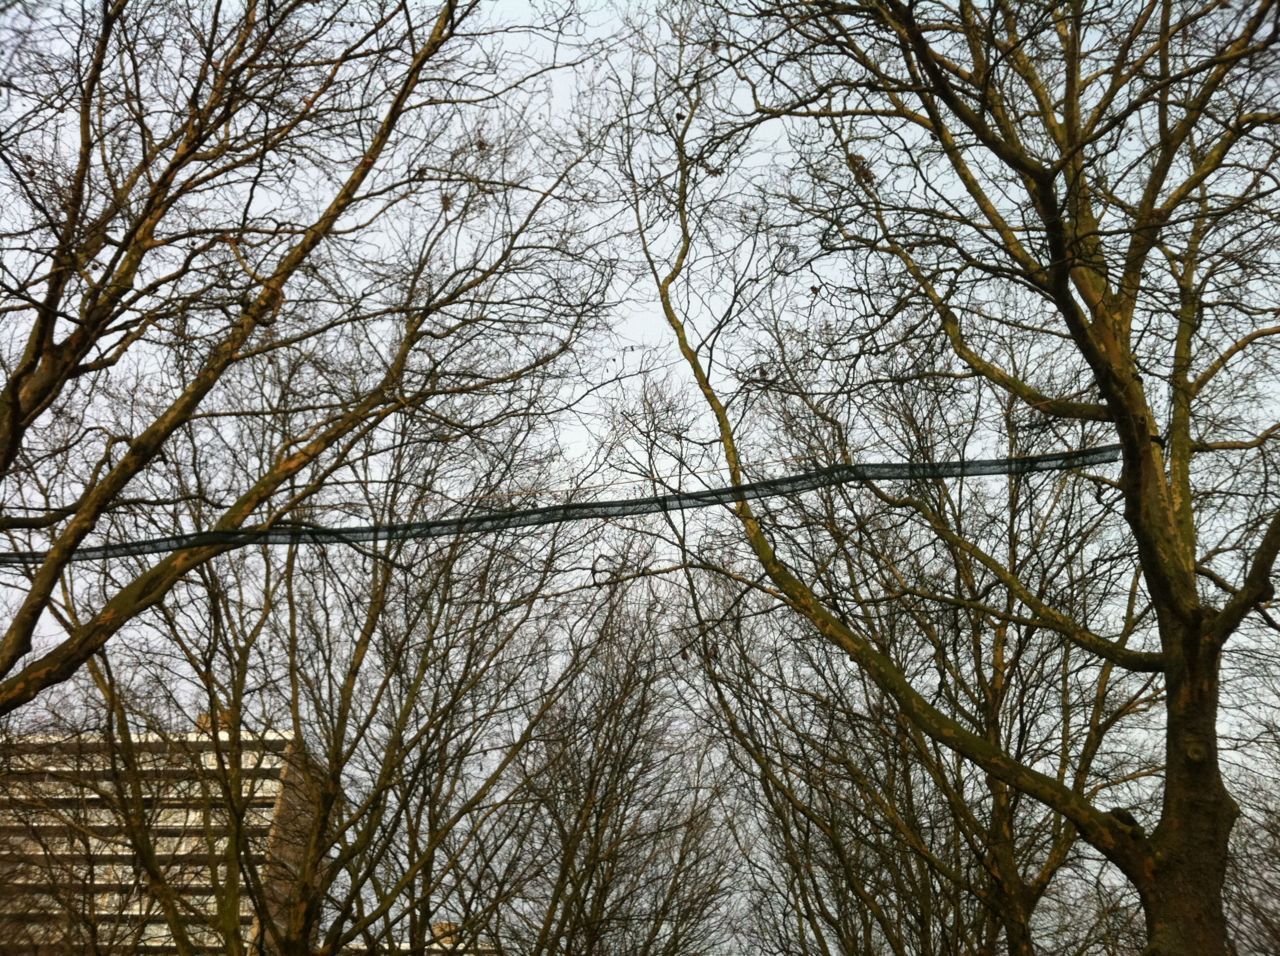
column 1182, row 897
column 1184, row 908
column 1017, row 936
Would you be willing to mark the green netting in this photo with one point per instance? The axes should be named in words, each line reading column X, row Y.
column 491, row 521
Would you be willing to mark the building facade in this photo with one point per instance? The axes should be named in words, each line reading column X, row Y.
column 123, row 847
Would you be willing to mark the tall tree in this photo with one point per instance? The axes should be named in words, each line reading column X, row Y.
column 236, row 241
column 1059, row 215
column 626, row 842
column 399, row 688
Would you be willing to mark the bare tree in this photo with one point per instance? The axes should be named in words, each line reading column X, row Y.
column 1057, row 216
column 401, row 700
column 236, row 243
column 405, row 677
column 890, row 841
column 627, row 844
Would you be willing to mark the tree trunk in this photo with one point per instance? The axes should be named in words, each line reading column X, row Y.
column 1018, row 938
column 1182, row 898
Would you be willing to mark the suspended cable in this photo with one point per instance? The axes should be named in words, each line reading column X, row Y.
column 490, row 521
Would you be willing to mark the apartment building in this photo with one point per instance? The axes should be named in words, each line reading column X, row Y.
column 118, row 847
